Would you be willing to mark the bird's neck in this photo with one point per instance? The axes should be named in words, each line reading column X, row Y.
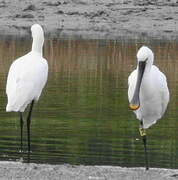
column 148, row 66
column 37, row 45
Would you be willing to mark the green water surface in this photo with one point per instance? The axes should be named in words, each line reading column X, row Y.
column 82, row 116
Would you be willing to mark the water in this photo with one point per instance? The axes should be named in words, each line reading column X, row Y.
column 83, row 116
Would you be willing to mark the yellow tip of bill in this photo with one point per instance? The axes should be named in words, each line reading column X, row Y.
column 134, row 107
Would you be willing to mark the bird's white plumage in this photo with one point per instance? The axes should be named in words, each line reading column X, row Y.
column 27, row 75
column 154, row 93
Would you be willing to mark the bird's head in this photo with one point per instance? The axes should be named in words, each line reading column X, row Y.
column 37, row 32
column 144, row 58
column 145, row 54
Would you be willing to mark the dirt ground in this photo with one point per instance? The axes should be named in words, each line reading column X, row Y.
column 20, row 171
column 92, row 19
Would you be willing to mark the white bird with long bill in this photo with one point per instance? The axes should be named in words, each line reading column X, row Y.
column 148, row 93
column 26, row 79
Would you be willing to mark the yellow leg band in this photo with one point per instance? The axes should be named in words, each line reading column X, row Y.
column 142, row 132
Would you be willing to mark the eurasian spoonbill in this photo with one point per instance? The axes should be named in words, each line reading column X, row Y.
column 148, row 92
column 26, row 78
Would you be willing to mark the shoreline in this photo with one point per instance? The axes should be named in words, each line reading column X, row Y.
column 18, row 170
column 84, row 19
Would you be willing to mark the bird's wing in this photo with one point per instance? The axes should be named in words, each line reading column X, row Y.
column 163, row 88
column 42, row 74
column 13, row 86
column 25, row 82
column 158, row 100
column 12, row 77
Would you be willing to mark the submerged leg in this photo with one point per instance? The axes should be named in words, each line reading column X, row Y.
column 143, row 135
column 21, row 128
column 28, row 124
column 28, row 157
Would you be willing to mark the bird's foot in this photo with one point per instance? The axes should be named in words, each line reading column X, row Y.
column 21, row 151
column 142, row 132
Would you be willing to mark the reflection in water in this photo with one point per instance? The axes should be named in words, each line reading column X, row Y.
column 83, row 116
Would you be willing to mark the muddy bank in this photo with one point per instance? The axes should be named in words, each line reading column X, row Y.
column 92, row 19
column 17, row 170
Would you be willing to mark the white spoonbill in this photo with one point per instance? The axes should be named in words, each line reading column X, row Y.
column 26, row 78
column 148, row 92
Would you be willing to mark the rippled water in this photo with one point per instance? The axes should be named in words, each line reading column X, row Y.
column 82, row 116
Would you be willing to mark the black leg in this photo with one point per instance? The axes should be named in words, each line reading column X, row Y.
column 28, row 157
column 146, row 154
column 21, row 127
column 28, row 124
column 143, row 135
